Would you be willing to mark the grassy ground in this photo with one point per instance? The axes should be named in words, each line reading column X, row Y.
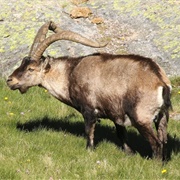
column 41, row 138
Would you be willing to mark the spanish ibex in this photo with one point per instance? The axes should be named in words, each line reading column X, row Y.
column 101, row 86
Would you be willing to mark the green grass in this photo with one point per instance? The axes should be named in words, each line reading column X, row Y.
column 41, row 138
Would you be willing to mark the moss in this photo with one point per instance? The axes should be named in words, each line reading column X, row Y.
column 126, row 6
column 3, row 31
column 30, row 34
column 2, row 50
column 52, row 53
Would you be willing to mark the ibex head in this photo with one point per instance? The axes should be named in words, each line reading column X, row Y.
column 32, row 68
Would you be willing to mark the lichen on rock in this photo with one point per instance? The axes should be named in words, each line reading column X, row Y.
column 148, row 28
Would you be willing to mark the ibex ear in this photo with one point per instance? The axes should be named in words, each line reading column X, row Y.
column 46, row 66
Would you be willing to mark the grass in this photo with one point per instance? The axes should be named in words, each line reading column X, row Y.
column 41, row 138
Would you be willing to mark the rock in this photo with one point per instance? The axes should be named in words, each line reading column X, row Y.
column 97, row 20
column 176, row 117
column 76, row 2
column 80, row 12
column 129, row 27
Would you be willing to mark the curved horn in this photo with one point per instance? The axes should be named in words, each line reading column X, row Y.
column 40, row 36
column 64, row 35
column 53, row 27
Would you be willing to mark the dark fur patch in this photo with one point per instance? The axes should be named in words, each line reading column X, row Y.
column 143, row 61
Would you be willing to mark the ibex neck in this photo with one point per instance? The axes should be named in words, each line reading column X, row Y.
column 56, row 81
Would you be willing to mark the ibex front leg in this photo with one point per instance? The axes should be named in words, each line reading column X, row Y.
column 90, row 123
column 89, row 129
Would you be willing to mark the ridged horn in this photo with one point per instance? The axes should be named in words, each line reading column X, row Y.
column 63, row 35
column 53, row 27
column 40, row 36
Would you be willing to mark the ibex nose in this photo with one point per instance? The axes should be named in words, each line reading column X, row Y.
column 9, row 79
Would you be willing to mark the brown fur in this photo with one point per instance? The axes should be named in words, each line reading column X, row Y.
column 105, row 86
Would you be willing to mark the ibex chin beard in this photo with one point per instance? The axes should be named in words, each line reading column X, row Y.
column 23, row 89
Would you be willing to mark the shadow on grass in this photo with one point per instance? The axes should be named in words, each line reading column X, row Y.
column 102, row 132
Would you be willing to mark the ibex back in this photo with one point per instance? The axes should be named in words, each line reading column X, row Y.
column 101, row 86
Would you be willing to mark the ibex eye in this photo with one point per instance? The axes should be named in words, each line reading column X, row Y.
column 30, row 69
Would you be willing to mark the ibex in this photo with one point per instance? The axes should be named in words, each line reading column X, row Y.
column 101, row 86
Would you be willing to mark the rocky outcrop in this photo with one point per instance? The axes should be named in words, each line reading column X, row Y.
column 148, row 28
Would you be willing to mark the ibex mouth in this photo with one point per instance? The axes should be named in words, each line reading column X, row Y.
column 12, row 87
column 16, row 86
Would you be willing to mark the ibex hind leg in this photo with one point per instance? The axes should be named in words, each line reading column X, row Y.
column 161, row 127
column 145, row 128
column 122, row 135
